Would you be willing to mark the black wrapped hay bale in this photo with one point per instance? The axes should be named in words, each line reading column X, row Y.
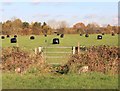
column 56, row 41
column 15, row 36
column 32, row 37
column 62, row 35
column 45, row 35
column 13, row 40
column 55, row 32
column 80, row 34
column 2, row 37
column 86, row 35
column 113, row 34
column 8, row 36
column 58, row 34
column 99, row 37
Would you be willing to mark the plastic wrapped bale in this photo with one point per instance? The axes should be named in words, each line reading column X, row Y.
column 62, row 35
column 56, row 41
column 86, row 35
column 32, row 37
column 45, row 35
column 113, row 34
column 55, row 32
column 13, row 40
column 58, row 34
column 2, row 37
column 8, row 36
column 80, row 34
column 15, row 36
column 99, row 37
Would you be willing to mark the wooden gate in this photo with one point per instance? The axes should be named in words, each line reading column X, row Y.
column 57, row 55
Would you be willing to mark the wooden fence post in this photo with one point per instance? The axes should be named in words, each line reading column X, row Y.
column 73, row 50
column 78, row 48
column 36, row 51
column 40, row 49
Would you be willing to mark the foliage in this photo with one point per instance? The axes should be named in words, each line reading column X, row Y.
column 16, row 26
column 98, row 58
column 13, row 58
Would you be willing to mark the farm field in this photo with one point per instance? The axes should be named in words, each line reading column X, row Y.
column 59, row 45
column 36, row 80
column 50, row 81
column 68, row 40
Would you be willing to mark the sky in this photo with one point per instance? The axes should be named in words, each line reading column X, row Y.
column 102, row 13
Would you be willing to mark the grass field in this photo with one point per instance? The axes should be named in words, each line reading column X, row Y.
column 69, row 81
column 55, row 81
column 68, row 40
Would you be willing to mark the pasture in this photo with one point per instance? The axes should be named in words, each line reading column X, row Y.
column 68, row 40
column 38, row 80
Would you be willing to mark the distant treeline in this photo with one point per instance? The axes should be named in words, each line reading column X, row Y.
column 19, row 27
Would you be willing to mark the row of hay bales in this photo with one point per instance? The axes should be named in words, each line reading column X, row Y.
column 7, row 36
column 14, row 40
column 55, row 40
column 61, row 36
column 87, row 35
column 31, row 37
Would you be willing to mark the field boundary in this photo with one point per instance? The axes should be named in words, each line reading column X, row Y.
column 58, row 50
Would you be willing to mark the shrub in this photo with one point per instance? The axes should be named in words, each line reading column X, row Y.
column 98, row 58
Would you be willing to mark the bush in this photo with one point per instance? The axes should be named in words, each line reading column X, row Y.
column 98, row 58
column 15, row 59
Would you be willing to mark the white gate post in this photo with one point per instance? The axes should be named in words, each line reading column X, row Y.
column 73, row 50
column 36, row 51
column 40, row 49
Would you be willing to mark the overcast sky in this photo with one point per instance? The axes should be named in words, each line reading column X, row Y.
column 71, row 12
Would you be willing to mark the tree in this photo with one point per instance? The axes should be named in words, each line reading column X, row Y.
column 108, row 28
column 62, row 26
column 46, row 29
column 79, row 27
column 16, row 26
column 25, row 25
column 93, row 28
column 7, row 27
column 36, row 28
column 26, row 28
column 115, row 29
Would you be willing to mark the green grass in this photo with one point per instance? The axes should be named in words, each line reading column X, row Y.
column 68, row 40
column 50, row 81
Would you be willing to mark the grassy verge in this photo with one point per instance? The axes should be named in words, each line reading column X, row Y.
column 55, row 81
